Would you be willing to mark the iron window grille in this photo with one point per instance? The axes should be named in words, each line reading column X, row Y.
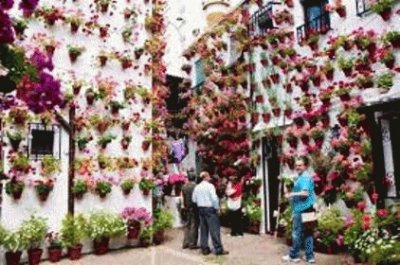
column 44, row 140
column 318, row 25
column 200, row 75
column 362, row 7
column 261, row 21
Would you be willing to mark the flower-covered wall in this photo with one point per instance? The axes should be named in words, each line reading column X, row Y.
column 103, row 56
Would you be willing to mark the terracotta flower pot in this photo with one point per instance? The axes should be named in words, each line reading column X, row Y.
column 103, row 60
column 159, row 237
column 386, row 14
column 133, row 230
column 13, row 258
column 254, row 228
column 104, row 8
column 34, row 256
column 50, row 49
column 100, row 247
column 17, row 194
column 144, row 242
column 55, row 254
column 75, row 253
column 146, row 192
column 347, row 72
column 390, row 64
column 15, row 144
column 73, row 57
column 43, row 196
column 74, row 27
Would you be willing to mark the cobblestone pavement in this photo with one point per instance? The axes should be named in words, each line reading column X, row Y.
column 249, row 250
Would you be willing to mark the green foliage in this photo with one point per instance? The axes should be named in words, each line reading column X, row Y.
column 392, row 36
column 380, row 6
column 14, row 241
column 353, row 232
column 146, row 232
column 15, row 136
column 2, row 233
column 103, row 188
column 163, row 220
column 127, row 184
column 14, row 187
column 329, row 225
column 20, row 163
column 385, row 81
column 146, row 184
column 387, row 255
column 80, row 187
column 346, row 63
column 103, row 224
column 72, row 230
column 34, row 230
column 106, row 139
column 50, row 165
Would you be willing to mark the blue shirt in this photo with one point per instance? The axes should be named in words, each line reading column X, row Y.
column 304, row 182
column 204, row 195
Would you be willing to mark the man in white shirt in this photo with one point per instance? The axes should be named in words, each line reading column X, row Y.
column 206, row 199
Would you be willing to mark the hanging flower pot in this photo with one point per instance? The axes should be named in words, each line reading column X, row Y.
column 347, row 71
column 254, row 117
column 133, row 230
column 305, row 139
column 329, row 74
column 293, row 142
column 275, row 78
column 15, row 188
column 145, row 145
column 266, row 117
column 316, row 79
column 43, row 189
column 341, row 11
column 276, row 111
column 104, row 7
column 75, row 253
column 34, row 256
column 125, row 143
column 386, row 14
column 344, row 97
column 55, row 254
column 76, row 88
column 103, row 31
column 319, row 142
column 100, row 246
column 13, row 258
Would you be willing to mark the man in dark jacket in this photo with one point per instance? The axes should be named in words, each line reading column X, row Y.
column 192, row 225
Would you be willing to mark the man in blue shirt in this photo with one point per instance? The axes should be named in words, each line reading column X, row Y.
column 206, row 199
column 302, row 198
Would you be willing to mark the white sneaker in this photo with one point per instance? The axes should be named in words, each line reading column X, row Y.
column 288, row 258
column 311, row 261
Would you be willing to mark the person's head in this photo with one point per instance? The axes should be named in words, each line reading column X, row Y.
column 205, row 176
column 233, row 178
column 191, row 176
column 301, row 164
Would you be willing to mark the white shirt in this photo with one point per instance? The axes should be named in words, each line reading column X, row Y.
column 204, row 195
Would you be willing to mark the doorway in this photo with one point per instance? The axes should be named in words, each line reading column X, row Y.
column 395, row 138
column 271, row 172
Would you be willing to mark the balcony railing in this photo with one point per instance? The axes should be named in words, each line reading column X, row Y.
column 318, row 25
column 362, row 7
column 261, row 21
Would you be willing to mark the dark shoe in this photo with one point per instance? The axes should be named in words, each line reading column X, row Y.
column 185, row 246
column 206, row 252
column 224, row 252
column 194, row 247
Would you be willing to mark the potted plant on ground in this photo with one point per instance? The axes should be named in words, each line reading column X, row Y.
column 330, row 223
column 253, row 213
column 145, row 236
column 15, row 139
column 72, row 232
column 162, row 220
column 14, row 242
column 146, row 185
column 135, row 218
column 79, row 189
column 34, row 230
column 127, row 186
column 103, row 188
column 14, row 188
column 102, row 226
column 55, row 247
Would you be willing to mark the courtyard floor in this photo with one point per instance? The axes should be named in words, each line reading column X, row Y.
column 249, row 250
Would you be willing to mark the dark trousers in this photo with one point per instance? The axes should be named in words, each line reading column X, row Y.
column 236, row 218
column 209, row 223
column 191, row 228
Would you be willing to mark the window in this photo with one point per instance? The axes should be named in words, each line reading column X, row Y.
column 362, row 6
column 44, row 140
column 261, row 21
column 317, row 21
column 200, row 75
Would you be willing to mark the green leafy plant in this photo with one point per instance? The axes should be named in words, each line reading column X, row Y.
column 3, row 232
column 353, row 232
column 345, row 64
column 146, row 233
column 103, row 224
column 392, row 37
column 146, row 184
column 80, row 187
column 127, row 185
column 103, row 188
column 104, row 161
column 329, row 224
column 14, row 187
column 162, row 220
column 105, row 139
column 14, row 241
column 50, row 165
column 20, row 163
column 385, row 253
column 15, row 136
column 34, row 230
column 385, row 81
column 380, row 6
column 82, row 141
column 72, row 230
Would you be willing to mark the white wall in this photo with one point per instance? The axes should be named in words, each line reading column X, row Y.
column 87, row 68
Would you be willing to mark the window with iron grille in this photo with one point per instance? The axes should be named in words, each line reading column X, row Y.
column 261, row 21
column 44, row 140
column 200, row 75
column 362, row 7
column 317, row 20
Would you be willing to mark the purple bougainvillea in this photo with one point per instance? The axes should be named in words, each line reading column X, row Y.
column 6, row 31
column 41, row 60
column 27, row 6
